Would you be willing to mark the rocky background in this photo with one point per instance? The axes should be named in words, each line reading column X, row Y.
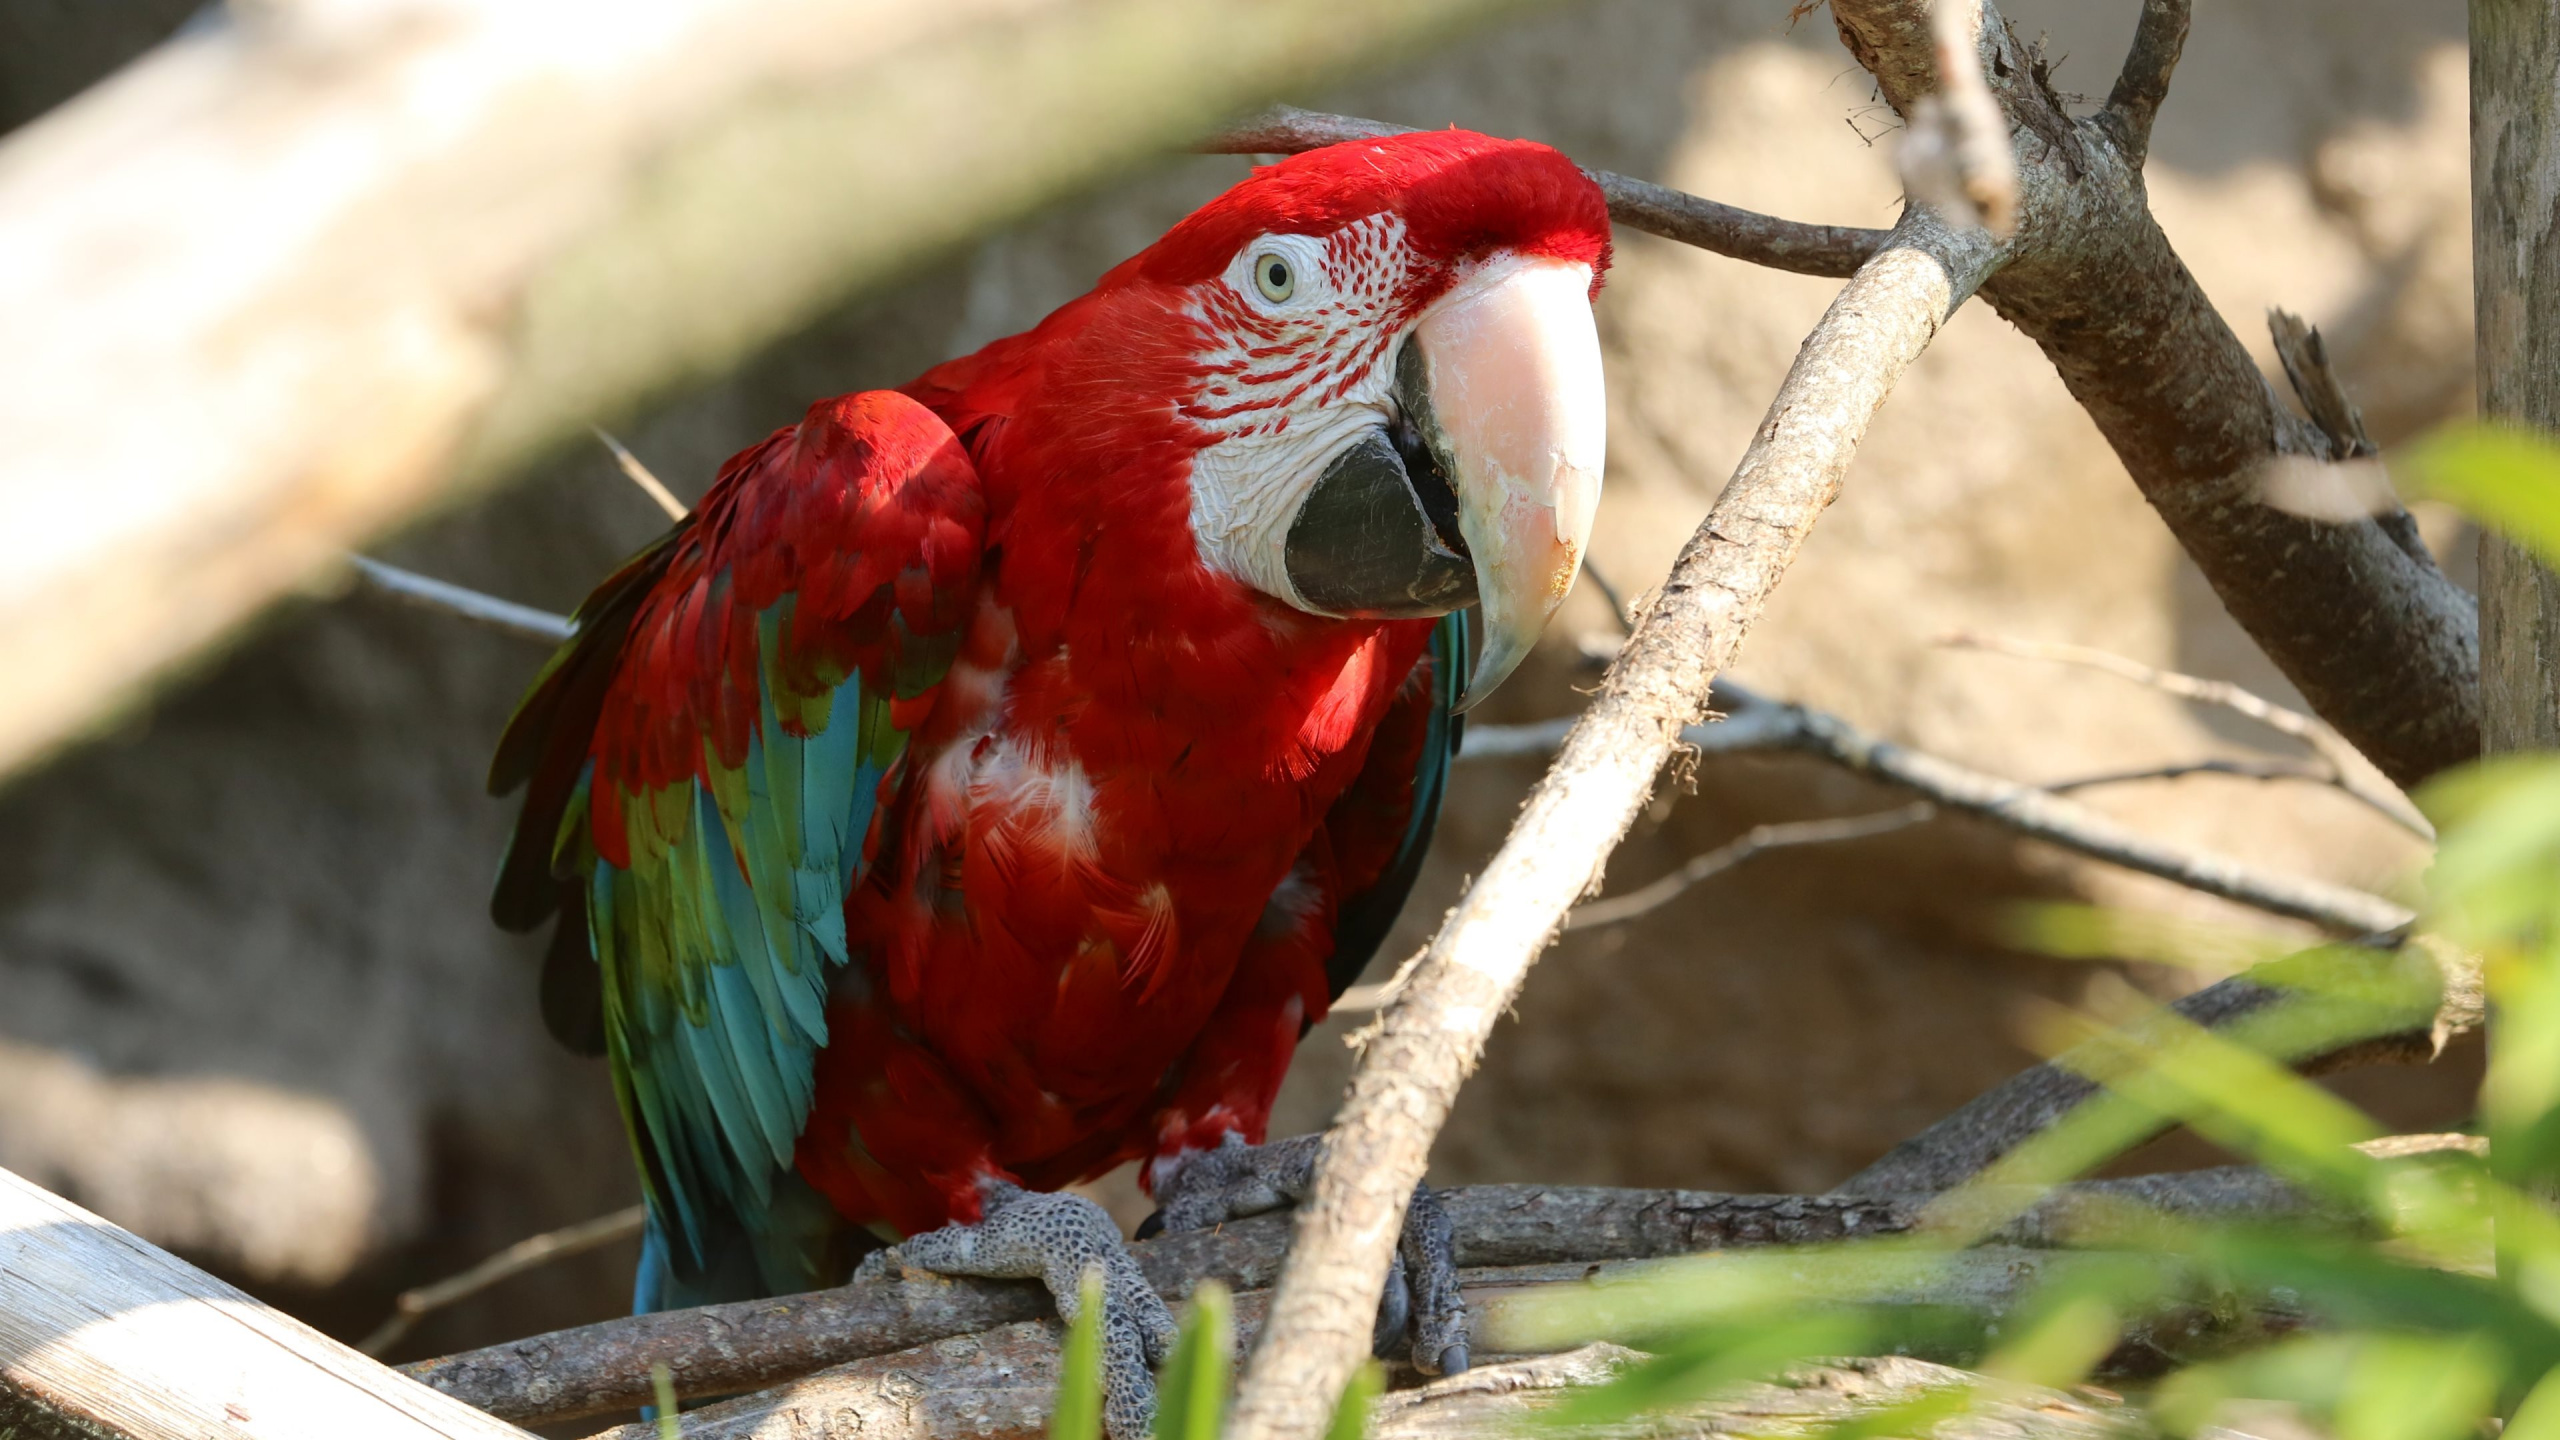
column 250, row 1006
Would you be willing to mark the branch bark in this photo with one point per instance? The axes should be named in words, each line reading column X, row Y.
column 2143, row 83
column 1431, row 1036
column 2515, row 277
column 2356, row 615
column 1992, row 1124
column 1502, row 1231
column 471, row 231
column 1834, row 251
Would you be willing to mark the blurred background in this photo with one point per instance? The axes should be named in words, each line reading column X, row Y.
column 250, row 1005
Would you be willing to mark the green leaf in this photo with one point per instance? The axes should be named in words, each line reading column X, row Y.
column 2507, row 477
column 1351, row 1417
column 1191, row 1395
column 662, row 1387
column 1078, row 1415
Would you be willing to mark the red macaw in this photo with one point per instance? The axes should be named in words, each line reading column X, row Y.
column 992, row 779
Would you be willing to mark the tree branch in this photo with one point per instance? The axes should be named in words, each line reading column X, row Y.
column 1758, row 840
column 1427, row 1041
column 2380, row 643
column 1834, row 251
column 1992, row 1124
column 2144, row 82
column 1503, row 1233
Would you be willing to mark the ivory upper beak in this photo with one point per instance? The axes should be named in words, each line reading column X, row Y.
column 1515, row 384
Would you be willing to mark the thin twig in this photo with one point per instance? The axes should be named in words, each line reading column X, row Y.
column 1617, row 598
column 2061, row 822
column 1757, row 724
column 1835, row 251
column 2144, row 82
column 1759, row 840
column 2310, row 770
column 725, row 1349
column 641, row 475
column 1430, row 1038
column 428, row 593
column 530, row 1253
column 2327, row 743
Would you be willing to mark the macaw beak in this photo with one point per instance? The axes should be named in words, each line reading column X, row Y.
column 1484, row 488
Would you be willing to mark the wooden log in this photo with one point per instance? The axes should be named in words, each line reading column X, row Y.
column 104, row 1336
column 310, row 268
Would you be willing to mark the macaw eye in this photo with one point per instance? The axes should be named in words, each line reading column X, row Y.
column 1273, row 277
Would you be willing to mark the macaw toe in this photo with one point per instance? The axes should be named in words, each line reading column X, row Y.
column 1055, row 1239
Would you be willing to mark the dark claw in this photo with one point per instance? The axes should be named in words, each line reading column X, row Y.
column 1453, row 1361
column 1395, row 1312
column 1151, row 1227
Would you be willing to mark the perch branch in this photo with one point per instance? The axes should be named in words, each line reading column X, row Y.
column 453, row 301
column 724, row 1349
column 1999, row 1120
column 530, row 1253
column 2338, row 758
column 1834, row 251
column 1759, row 840
column 1426, row 1042
column 2309, row 770
column 2158, row 37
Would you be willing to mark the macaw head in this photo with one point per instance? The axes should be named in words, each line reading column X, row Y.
column 1397, row 380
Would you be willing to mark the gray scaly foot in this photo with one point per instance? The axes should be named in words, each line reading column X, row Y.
column 1213, row 1187
column 1031, row 1235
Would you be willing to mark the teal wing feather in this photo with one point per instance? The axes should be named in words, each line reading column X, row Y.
column 714, row 792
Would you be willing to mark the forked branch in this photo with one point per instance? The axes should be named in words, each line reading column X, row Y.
column 2144, row 82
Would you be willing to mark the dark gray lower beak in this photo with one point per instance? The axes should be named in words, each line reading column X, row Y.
column 1378, row 535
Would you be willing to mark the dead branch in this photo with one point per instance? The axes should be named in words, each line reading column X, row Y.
column 541, row 224
column 530, row 1253
column 2305, row 356
column 1758, row 840
column 2338, row 758
column 1427, row 1041
column 1833, row 251
column 725, row 1349
column 1992, row 1124
column 103, row 1334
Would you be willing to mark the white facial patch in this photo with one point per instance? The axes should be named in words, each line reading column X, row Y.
column 1289, row 384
